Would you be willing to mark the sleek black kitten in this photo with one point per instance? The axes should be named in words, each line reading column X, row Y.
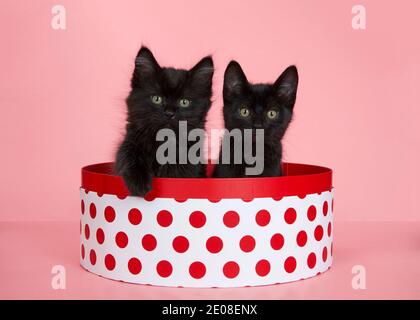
column 160, row 98
column 257, row 106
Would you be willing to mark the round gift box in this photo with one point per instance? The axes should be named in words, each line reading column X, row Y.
column 227, row 232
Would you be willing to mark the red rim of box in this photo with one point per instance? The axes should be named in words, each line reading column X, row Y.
column 298, row 180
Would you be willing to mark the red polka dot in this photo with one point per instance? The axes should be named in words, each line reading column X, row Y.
column 277, row 241
column 134, row 216
column 197, row 219
column 149, row 242
column 197, row 270
column 82, row 206
column 311, row 260
column 180, row 244
column 83, row 251
column 121, row 196
column 318, row 233
column 134, row 266
column 290, row 215
column 301, row 238
column 214, row 244
column 290, row 264
column 325, row 208
column 92, row 257
column 262, row 268
column 164, row 218
column 231, row 269
column 110, row 262
column 164, row 268
column 247, row 243
column 121, row 239
column 263, row 218
column 100, row 236
column 329, row 229
column 311, row 213
column 109, row 214
column 92, row 210
column 87, row 231
column 324, row 254
column 149, row 196
column 231, row 219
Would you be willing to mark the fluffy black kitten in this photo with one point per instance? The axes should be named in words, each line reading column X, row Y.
column 257, row 106
column 160, row 98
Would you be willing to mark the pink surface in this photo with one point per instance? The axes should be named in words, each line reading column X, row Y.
column 389, row 252
column 62, row 91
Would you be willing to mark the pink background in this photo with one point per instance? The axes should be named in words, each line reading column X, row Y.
column 62, row 91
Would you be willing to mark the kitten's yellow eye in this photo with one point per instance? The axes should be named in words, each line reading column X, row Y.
column 184, row 103
column 272, row 114
column 157, row 100
column 244, row 112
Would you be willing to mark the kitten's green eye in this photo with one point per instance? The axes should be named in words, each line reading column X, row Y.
column 184, row 103
column 244, row 112
column 272, row 114
column 157, row 100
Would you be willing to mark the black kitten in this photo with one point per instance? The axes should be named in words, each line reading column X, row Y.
column 257, row 106
column 160, row 98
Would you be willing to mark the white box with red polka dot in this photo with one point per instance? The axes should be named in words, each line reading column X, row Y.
column 208, row 232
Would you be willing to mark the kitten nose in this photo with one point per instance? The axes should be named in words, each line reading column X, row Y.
column 258, row 125
column 169, row 113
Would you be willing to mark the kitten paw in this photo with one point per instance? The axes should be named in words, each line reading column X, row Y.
column 138, row 183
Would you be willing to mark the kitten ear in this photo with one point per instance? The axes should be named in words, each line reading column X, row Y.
column 145, row 64
column 234, row 80
column 202, row 73
column 286, row 86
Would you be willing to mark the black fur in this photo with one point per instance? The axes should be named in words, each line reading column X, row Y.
column 136, row 156
column 258, row 99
